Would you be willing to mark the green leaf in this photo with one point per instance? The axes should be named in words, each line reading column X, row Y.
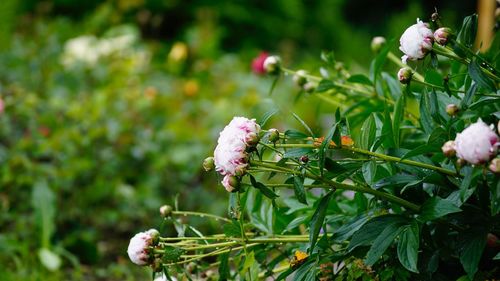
column 297, row 152
column 378, row 62
column 224, row 266
column 172, row 254
column 387, row 133
column 325, row 85
column 382, row 242
column 408, row 245
column 425, row 114
column 467, row 33
column 497, row 257
column 437, row 207
column 425, row 148
column 495, row 198
column 477, row 74
column 346, row 230
column 317, row 220
column 263, row 189
column 267, row 116
column 249, row 261
column 371, row 230
column 471, row 252
column 360, row 79
column 232, row 229
column 368, row 131
column 324, row 147
column 294, row 134
column 298, row 187
column 305, row 270
column 397, row 179
column 398, row 118
column 369, row 170
column 43, row 201
column 303, row 124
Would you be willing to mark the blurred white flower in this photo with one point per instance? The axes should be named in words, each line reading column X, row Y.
column 230, row 155
column 477, row 143
column 416, row 41
column 138, row 248
column 162, row 277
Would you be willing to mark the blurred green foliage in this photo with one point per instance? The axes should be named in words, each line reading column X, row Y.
column 96, row 135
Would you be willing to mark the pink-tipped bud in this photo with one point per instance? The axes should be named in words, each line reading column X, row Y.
column 272, row 65
column 274, row 135
column 166, row 211
column 231, row 183
column 452, row 109
column 449, row 149
column 495, row 166
column 442, row 35
column 377, row 43
column 404, row 75
column 258, row 63
column 304, row 159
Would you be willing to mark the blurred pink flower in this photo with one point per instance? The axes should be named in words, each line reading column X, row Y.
column 258, row 63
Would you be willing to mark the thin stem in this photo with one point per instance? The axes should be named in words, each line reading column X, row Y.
column 398, row 62
column 339, row 185
column 198, row 214
column 436, row 86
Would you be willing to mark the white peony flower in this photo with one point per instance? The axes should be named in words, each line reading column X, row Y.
column 138, row 249
column 477, row 143
column 230, row 155
column 416, row 41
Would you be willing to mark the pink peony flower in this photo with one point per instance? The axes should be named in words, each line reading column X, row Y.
column 442, row 35
column 230, row 155
column 258, row 63
column 416, row 41
column 477, row 143
column 138, row 248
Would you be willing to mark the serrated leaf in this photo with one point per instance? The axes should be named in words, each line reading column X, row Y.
column 408, row 245
column 298, row 187
column 317, row 220
column 436, row 207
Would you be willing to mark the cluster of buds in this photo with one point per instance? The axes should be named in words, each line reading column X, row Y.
column 477, row 144
column 231, row 155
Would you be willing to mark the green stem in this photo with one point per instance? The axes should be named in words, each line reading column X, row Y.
column 343, row 186
column 398, row 62
column 436, row 86
column 378, row 155
column 198, row 214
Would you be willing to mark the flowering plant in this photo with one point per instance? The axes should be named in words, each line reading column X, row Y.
column 404, row 184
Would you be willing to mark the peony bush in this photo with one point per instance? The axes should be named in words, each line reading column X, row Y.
column 403, row 185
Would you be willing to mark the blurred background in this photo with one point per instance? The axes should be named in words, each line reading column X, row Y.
column 107, row 109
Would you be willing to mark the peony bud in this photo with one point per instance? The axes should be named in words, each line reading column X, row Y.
column 274, row 135
column 495, row 166
column 404, row 75
column 231, row 183
column 377, row 43
column 452, row 109
column 442, row 35
column 416, row 41
column 272, row 65
column 299, row 78
column 138, row 248
column 192, row 267
column 208, row 164
column 252, row 139
column 258, row 63
column 166, row 211
column 449, row 149
column 477, row 143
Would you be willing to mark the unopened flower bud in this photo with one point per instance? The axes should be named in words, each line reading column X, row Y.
column 449, row 149
column 252, row 139
column 461, row 162
column 495, row 166
column 492, row 240
column 231, row 183
column 272, row 65
column 452, row 109
column 442, row 35
column 274, row 135
column 208, row 164
column 377, row 43
column 404, row 75
column 309, row 87
column 304, row 159
column 166, row 211
column 300, row 78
